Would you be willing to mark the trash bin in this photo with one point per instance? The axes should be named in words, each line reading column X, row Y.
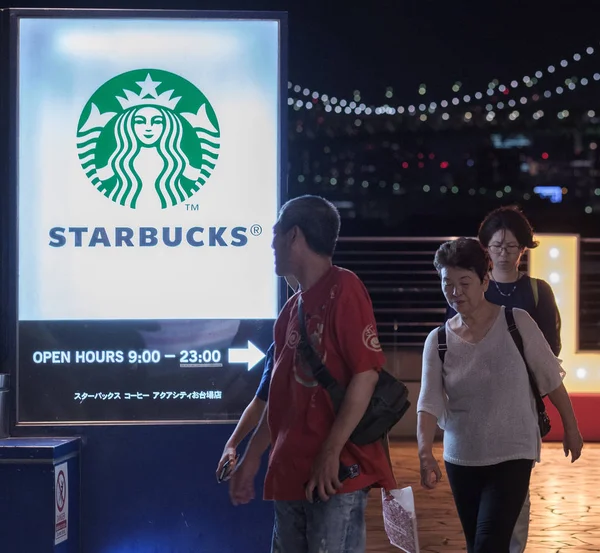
column 39, row 495
column 4, row 401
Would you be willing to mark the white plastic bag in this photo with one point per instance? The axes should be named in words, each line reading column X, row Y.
column 400, row 519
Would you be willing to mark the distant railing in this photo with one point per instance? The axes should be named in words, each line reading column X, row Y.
column 405, row 289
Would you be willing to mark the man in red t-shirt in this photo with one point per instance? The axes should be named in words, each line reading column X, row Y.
column 308, row 440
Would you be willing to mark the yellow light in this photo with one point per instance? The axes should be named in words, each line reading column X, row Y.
column 558, row 256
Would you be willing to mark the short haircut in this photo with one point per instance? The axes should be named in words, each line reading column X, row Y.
column 463, row 253
column 507, row 218
column 317, row 218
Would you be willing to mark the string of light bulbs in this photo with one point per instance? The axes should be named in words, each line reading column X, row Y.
column 356, row 104
column 571, row 84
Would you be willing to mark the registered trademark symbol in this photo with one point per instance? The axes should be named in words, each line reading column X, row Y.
column 256, row 230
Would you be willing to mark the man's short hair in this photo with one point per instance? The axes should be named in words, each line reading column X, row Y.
column 317, row 218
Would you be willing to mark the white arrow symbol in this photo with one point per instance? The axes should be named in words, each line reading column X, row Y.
column 251, row 355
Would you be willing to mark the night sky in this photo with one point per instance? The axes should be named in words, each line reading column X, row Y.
column 335, row 48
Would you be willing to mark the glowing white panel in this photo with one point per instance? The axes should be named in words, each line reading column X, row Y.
column 128, row 127
column 556, row 260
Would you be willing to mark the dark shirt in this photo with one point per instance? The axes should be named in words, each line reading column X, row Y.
column 545, row 313
column 263, row 388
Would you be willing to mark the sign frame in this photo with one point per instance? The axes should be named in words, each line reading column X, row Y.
column 9, row 177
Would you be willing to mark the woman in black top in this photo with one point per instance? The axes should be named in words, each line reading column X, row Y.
column 507, row 234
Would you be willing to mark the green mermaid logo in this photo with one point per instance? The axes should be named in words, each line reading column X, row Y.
column 152, row 148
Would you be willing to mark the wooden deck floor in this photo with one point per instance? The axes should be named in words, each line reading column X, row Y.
column 565, row 510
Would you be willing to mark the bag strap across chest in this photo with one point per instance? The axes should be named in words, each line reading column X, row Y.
column 518, row 340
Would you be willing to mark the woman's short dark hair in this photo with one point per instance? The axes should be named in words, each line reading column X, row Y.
column 317, row 218
column 507, row 218
column 463, row 253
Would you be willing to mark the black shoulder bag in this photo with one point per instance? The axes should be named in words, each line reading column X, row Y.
column 388, row 403
column 543, row 418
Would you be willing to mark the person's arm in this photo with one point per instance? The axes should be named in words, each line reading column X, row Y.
column 248, row 421
column 241, row 485
column 561, row 400
column 250, row 417
column 572, row 441
column 543, row 363
column 426, row 428
column 429, row 468
column 355, row 403
column 549, row 376
column 356, row 399
column 430, row 408
column 261, row 439
column 548, row 317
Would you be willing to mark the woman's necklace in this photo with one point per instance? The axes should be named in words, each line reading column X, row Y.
column 506, row 295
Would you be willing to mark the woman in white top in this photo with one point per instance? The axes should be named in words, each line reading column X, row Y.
column 481, row 396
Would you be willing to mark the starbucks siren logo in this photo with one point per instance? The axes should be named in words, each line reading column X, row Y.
column 148, row 138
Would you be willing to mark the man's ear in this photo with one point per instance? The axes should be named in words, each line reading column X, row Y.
column 294, row 234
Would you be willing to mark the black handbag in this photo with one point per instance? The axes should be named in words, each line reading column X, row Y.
column 543, row 418
column 388, row 403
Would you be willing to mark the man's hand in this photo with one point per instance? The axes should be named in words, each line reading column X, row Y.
column 572, row 442
column 229, row 454
column 430, row 471
column 241, row 485
column 324, row 475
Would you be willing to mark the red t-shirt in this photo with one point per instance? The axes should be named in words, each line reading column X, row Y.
column 341, row 326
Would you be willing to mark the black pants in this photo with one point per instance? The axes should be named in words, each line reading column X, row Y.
column 488, row 500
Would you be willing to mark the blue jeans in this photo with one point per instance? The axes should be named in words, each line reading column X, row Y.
column 334, row 526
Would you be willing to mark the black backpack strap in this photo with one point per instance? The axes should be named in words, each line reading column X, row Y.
column 518, row 339
column 304, row 347
column 442, row 345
